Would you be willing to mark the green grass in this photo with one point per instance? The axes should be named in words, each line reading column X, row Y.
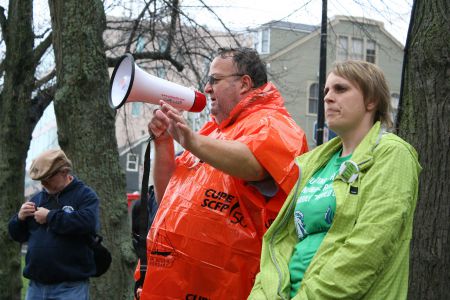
column 24, row 280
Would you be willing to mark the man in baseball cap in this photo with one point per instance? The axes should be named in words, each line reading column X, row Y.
column 56, row 223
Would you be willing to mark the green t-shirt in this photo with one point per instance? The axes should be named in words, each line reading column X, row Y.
column 313, row 215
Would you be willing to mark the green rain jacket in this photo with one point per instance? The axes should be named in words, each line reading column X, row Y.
column 365, row 254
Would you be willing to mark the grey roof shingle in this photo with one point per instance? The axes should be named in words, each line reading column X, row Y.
column 291, row 26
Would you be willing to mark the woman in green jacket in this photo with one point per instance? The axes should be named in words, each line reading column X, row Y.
column 345, row 229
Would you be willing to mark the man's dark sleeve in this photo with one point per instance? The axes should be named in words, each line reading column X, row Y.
column 18, row 230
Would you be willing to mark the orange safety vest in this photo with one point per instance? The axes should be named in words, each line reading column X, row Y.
column 205, row 242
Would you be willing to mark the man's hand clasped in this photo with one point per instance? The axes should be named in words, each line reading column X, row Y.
column 169, row 122
column 26, row 210
column 29, row 209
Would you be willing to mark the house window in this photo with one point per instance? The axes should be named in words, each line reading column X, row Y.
column 132, row 162
column 357, row 49
column 342, row 48
column 256, row 40
column 313, row 99
column 265, row 41
column 261, row 40
column 161, row 72
column 370, row 51
column 136, row 108
column 162, row 43
column 140, row 44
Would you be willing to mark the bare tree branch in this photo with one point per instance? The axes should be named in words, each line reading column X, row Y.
column 40, row 82
column 40, row 36
column 205, row 29
column 112, row 61
column 3, row 26
column 2, row 68
column 169, row 35
column 173, row 24
column 135, row 26
column 41, row 48
column 221, row 22
column 39, row 103
column 3, row 20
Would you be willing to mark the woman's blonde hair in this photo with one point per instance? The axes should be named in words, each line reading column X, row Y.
column 372, row 82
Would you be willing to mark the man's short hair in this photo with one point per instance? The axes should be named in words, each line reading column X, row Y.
column 248, row 62
column 49, row 163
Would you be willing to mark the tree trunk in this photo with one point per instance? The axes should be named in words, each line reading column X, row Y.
column 15, row 134
column 424, row 120
column 86, row 131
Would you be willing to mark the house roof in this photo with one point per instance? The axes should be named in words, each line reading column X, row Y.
column 125, row 149
column 315, row 31
column 290, row 26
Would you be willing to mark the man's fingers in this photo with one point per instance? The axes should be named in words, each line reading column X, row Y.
column 167, row 107
column 175, row 116
column 159, row 122
column 183, row 127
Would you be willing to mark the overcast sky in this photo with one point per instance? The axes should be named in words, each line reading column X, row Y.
column 240, row 14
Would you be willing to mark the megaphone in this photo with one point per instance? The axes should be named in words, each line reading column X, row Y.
column 129, row 83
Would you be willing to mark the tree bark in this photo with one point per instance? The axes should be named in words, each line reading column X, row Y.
column 15, row 134
column 424, row 121
column 86, row 131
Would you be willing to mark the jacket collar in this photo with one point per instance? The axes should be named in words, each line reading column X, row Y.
column 266, row 96
column 362, row 156
column 67, row 188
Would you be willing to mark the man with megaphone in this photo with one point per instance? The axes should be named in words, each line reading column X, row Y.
column 219, row 197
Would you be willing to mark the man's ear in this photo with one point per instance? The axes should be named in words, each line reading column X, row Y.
column 246, row 84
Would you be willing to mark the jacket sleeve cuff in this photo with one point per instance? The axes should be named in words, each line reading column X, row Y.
column 50, row 215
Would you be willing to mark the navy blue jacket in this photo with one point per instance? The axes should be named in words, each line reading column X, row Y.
column 58, row 250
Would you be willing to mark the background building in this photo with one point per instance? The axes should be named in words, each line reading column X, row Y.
column 291, row 52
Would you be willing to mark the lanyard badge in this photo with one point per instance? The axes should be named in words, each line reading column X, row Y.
column 348, row 171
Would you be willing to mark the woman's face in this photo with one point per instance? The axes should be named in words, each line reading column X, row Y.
column 345, row 110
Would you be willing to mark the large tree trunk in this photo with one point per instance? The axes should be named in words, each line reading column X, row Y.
column 15, row 134
column 86, row 130
column 424, row 120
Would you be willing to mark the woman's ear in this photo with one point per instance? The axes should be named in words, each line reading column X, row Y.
column 371, row 105
column 246, row 84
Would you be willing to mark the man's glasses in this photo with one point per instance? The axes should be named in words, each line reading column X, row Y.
column 213, row 80
column 47, row 178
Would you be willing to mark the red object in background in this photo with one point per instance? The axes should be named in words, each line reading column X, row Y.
column 131, row 197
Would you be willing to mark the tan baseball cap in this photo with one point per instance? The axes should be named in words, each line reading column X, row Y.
column 48, row 163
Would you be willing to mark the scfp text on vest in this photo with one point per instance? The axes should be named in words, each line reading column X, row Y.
column 217, row 200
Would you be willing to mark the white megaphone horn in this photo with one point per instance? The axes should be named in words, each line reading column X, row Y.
column 129, row 83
